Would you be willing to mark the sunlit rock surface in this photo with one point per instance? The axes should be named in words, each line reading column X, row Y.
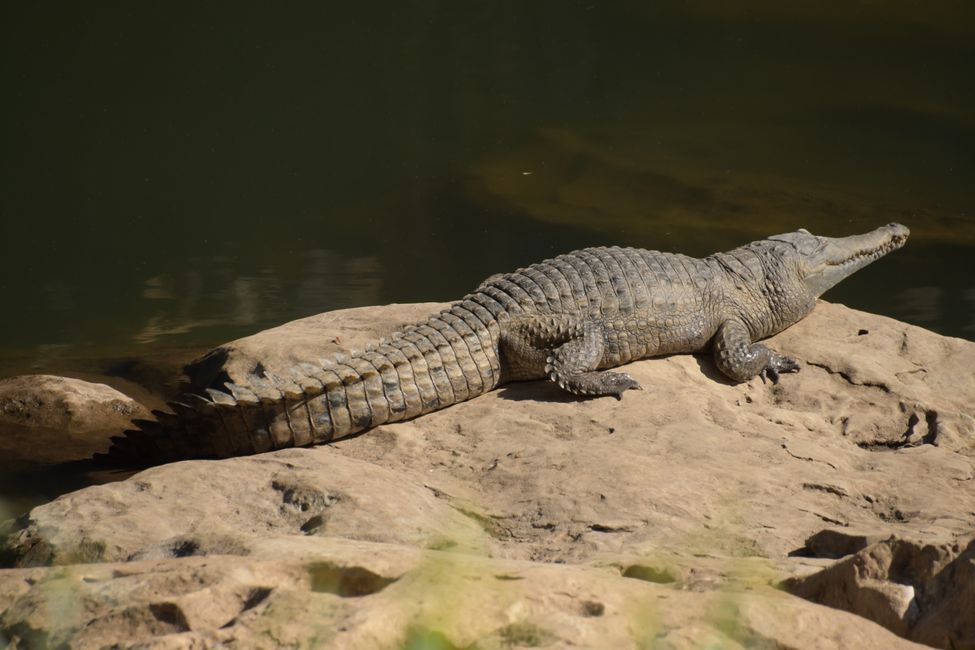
column 527, row 518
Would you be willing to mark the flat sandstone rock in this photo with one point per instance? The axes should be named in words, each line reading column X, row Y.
column 526, row 517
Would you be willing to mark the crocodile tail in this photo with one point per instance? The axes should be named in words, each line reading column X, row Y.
column 449, row 358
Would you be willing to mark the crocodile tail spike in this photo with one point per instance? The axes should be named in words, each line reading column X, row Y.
column 242, row 394
column 221, row 398
column 289, row 388
column 164, row 419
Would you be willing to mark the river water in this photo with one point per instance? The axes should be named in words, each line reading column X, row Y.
column 174, row 179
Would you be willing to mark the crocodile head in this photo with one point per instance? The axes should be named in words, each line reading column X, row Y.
column 821, row 262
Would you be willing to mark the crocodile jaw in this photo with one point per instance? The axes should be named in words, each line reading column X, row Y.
column 825, row 261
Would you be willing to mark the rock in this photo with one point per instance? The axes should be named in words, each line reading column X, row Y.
column 911, row 387
column 330, row 592
column 526, row 516
column 46, row 420
column 70, row 405
column 834, row 543
column 922, row 591
column 225, row 507
column 276, row 350
column 949, row 600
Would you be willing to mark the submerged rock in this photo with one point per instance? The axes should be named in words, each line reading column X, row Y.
column 69, row 405
column 46, row 421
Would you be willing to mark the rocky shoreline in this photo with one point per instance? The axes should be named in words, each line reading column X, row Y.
column 695, row 513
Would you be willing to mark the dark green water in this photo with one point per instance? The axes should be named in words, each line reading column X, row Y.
column 173, row 178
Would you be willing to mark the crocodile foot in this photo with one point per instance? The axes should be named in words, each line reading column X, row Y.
column 776, row 365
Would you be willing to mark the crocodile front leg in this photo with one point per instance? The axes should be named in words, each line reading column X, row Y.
column 740, row 359
column 566, row 349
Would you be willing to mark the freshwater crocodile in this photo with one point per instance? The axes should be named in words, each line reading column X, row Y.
column 568, row 318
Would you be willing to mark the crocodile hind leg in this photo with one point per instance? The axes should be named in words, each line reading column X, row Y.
column 567, row 350
column 740, row 359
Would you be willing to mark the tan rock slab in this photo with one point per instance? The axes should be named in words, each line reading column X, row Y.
column 332, row 593
column 222, row 507
column 651, row 510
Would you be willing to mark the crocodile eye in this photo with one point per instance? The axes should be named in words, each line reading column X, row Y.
column 804, row 231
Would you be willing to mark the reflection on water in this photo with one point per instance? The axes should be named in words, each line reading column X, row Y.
column 220, row 298
column 173, row 181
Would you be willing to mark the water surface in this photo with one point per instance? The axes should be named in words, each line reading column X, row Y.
column 173, row 179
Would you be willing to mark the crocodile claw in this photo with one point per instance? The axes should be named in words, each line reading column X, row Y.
column 623, row 382
column 778, row 364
